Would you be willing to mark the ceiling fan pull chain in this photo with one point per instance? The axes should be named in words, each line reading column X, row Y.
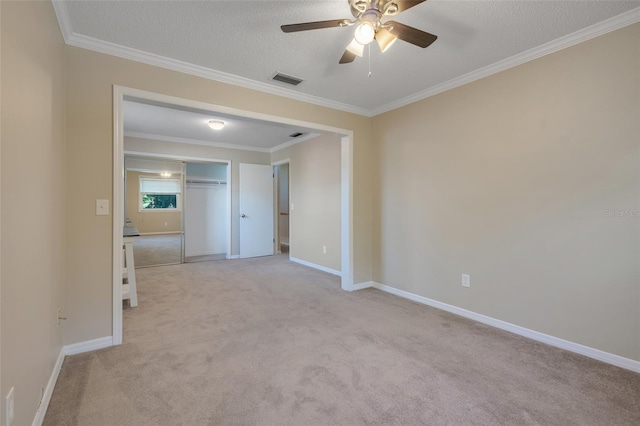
column 369, row 55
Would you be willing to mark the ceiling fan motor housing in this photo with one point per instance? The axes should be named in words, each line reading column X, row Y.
column 381, row 7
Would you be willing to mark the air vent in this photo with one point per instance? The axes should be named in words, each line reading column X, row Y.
column 283, row 78
column 296, row 135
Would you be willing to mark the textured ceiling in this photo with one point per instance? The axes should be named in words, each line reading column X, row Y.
column 243, row 38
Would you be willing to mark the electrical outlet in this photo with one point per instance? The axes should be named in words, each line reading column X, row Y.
column 9, row 408
column 324, row 249
column 466, row 280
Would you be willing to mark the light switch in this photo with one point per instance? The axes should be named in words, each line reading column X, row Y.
column 102, row 207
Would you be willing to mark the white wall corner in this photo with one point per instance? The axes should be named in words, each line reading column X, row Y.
column 361, row 286
column 88, row 346
column 597, row 354
column 48, row 390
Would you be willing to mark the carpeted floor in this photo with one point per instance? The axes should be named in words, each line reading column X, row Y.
column 268, row 342
column 161, row 249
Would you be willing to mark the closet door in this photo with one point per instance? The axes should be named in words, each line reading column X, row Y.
column 205, row 218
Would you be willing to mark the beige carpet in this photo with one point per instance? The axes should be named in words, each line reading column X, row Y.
column 269, row 342
column 162, row 249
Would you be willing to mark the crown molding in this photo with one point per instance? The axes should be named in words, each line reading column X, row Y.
column 151, row 136
column 601, row 28
column 79, row 40
column 73, row 39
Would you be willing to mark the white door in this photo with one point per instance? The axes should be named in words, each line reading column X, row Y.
column 256, row 210
column 205, row 219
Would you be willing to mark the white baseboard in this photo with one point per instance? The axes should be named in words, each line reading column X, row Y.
column 207, row 253
column 313, row 265
column 159, row 233
column 48, row 390
column 89, row 345
column 361, row 286
column 233, row 256
column 590, row 352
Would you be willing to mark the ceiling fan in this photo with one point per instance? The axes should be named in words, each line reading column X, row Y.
column 369, row 15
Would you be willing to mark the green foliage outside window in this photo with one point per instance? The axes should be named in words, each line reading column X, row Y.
column 159, row 201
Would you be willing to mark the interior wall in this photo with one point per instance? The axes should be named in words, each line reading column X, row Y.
column 529, row 181
column 315, row 191
column 236, row 156
column 89, row 128
column 148, row 222
column 32, row 197
column 207, row 171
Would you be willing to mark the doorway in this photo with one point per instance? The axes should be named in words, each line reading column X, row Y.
column 282, row 186
column 205, row 212
column 154, row 207
column 346, row 137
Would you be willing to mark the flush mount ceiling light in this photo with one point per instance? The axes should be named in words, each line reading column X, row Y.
column 371, row 16
column 216, row 124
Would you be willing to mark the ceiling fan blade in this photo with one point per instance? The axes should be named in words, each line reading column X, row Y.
column 411, row 35
column 404, row 5
column 347, row 57
column 305, row 26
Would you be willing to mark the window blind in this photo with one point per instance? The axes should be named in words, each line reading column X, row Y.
column 160, row 186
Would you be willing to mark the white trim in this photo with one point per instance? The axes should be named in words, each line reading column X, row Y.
column 160, row 233
column 118, row 212
column 60, row 8
column 48, row 390
column 233, row 256
column 276, row 204
column 361, row 286
column 150, row 136
column 208, row 253
column 71, row 38
column 89, row 345
column 79, row 40
column 174, row 157
column 587, row 351
column 119, row 94
column 628, row 18
column 281, row 162
column 293, row 142
column 315, row 266
column 175, row 139
column 346, row 215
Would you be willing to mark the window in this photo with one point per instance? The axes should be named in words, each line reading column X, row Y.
column 159, row 194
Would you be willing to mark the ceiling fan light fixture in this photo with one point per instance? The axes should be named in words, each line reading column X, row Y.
column 356, row 48
column 365, row 33
column 216, row 124
column 385, row 39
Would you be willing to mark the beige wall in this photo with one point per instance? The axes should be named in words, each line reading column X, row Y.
column 182, row 150
column 315, row 178
column 148, row 222
column 33, row 197
column 89, row 120
column 509, row 179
